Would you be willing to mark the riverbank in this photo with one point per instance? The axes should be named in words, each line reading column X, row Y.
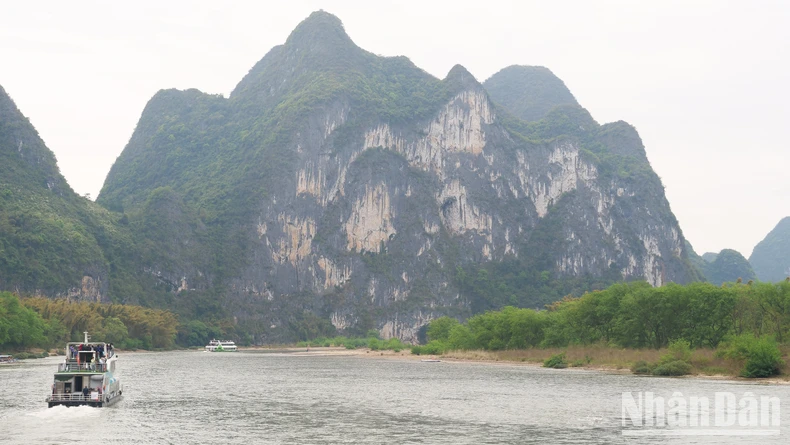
column 705, row 363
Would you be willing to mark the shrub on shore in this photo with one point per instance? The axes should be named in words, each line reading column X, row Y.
column 556, row 361
column 434, row 347
column 673, row 368
column 642, row 367
column 761, row 355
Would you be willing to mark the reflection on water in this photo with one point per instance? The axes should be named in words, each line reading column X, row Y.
column 197, row 397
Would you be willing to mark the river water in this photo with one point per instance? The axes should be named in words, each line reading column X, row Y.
column 188, row 397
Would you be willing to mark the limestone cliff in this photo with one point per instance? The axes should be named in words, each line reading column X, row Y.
column 367, row 192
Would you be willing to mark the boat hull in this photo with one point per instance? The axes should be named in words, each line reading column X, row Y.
column 102, row 403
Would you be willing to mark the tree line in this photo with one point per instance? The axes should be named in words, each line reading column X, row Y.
column 43, row 323
column 630, row 315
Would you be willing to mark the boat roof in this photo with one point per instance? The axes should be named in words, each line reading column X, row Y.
column 5, row 356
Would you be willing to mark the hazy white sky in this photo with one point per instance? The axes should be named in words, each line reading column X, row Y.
column 706, row 83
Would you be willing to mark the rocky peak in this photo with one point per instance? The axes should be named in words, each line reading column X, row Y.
column 317, row 47
column 459, row 79
column 28, row 163
column 321, row 31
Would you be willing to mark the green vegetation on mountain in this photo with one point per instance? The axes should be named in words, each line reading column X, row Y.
column 50, row 238
column 771, row 256
column 529, row 92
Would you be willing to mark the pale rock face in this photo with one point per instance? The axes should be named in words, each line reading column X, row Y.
column 334, row 120
column 296, row 243
column 457, row 129
column 486, row 251
column 431, row 228
column 89, row 290
column 509, row 249
column 571, row 264
column 340, row 321
column 677, row 246
column 333, row 275
column 652, row 264
column 459, row 215
column 184, row 285
column 407, row 331
column 309, row 181
column 631, row 268
column 370, row 223
column 572, row 171
column 426, row 246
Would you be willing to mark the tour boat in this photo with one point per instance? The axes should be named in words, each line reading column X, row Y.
column 87, row 377
column 221, row 346
column 7, row 359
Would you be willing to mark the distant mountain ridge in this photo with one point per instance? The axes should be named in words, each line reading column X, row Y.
column 336, row 189
column 771, row 256
column 727, row 266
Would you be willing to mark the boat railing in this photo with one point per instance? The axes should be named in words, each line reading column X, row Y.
column 74, row 397
column 82, row 367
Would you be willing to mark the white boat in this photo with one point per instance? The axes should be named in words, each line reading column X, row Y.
column 7, row 359
column 221, row 346
column 87, row 377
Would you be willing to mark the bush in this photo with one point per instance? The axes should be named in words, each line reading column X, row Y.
column 439, row 329
column 761, row 355
column 434, row 347
column 764, row 360
column 642, row 367
column 680, row 350
column 556, row 361
column 674, row 368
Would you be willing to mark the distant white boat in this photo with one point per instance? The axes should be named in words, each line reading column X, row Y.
column 430, row 360
column 221, row 346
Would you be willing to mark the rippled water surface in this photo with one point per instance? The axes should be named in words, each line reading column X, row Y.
column 198, row 397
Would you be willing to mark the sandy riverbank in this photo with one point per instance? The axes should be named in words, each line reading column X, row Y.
column 510, row 358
